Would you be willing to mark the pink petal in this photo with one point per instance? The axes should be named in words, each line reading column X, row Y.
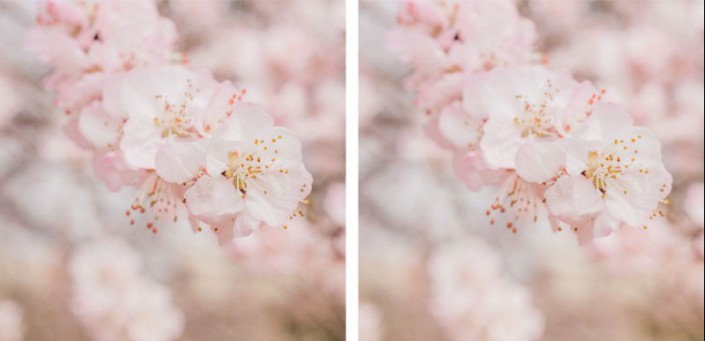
column 140, row 141
column 472, row 169
column 179, row 162
column 608, row 121
column 540, row 161
column 115, row 173
column 573, row 199
column 500, row 142
column 97, row 126
column 457, row 126
column 244, row 226
column 213, row 198
column 632, row 198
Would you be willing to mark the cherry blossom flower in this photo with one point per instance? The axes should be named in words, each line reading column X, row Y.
column 443, row 41
column 437, row 37
column 614, row 176
column 529, row 103
column 253, row 175
column 150, row 121
column 88, row 42
column 511, row 124
column 159, row 105
column 509, row 121
column 79, row 37
column 146, row 116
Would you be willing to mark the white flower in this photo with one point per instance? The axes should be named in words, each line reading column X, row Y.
column 253, row 174
column 159, row 104
column 614, row 175
column 528, row 103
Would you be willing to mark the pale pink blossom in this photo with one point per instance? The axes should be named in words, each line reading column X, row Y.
column 436, row 37
column 419, row 24
column 151, row 116
column 471, row 168
column 460, row 125
column 492, row 34
column 78, row 37
column 88, row 42
column 165, row 104
column 529, row 103
column 150, row 121
column 72, row 96
column 509, row 121
column 613, row 176
column 254, row 175
column 445, row 41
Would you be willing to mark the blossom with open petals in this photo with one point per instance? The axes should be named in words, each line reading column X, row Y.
column 529, row 103
column 253, row 174
column 613, row 176
column 78, row 37
column 150, row 114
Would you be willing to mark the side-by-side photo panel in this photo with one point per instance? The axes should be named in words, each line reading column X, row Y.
column 172, row 170
column 531, row 170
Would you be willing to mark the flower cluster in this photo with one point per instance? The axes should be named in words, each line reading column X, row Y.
column 194, row 148
column 115, row 301
column 558, row 151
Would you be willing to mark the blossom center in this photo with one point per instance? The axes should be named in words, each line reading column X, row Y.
column 175, row 119
column 243, row 168
column 534, row 118
column 603, row 168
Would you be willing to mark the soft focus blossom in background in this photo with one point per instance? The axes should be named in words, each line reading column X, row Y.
column 635, row 284
column 72, row 267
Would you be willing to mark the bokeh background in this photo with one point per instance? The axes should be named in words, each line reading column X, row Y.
column 71, row 266
column 419, row 226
